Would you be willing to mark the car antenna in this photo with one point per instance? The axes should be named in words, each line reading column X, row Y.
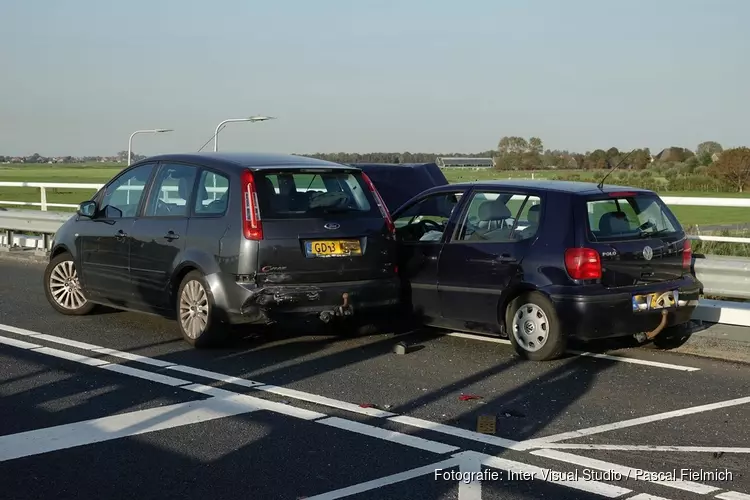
column 601, row 183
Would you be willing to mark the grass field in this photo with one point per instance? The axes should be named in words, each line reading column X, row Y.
column 101, row 173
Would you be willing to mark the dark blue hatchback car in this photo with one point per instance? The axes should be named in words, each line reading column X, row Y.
column 544, row 261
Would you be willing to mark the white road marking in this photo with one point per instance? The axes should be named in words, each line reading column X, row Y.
column 71, row 356
column 543, row 441
column 68, row 342
column 129, row 356
column 135, row 372
column 385, row 481
column 627, row 472
column 657, row 364
column 62, row 437
column 636, row 361
column 646, row 447
column 261, row 404
column 733, row 495
column 18, row 343
column 455, row 431
column 388, row 435
column 19, row 331
column 646, row 496
column 478, row 337
column 472, row 489
column 549, row 475
column 215, row 376
column 324, row 401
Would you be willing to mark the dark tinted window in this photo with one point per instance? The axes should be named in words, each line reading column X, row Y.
column 213, row 193
column 170, row 195
column 309, row 195
column 122, row 196
column 623, row 217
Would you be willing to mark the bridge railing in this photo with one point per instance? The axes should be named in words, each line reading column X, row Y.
column 723, row 276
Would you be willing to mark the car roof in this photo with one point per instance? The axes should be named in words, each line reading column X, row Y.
column 248, row 160
column 572, row 187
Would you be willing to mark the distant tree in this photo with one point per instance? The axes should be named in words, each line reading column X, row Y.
column 512, row 145
column 733, row 167
column 706, row 150
column 535, row 145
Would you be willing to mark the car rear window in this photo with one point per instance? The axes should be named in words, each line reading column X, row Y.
column 287, row 195
column 630, row 216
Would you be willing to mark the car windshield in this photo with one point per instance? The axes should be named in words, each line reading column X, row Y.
column 308, row 195
column 630, row 216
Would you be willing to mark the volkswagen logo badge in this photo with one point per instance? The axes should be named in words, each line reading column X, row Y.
column 332, row 225
column 648, row 253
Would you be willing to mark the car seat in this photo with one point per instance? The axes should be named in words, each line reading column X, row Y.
column 614, row 223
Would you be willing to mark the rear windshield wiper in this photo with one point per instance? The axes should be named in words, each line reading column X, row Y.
column 645, row 234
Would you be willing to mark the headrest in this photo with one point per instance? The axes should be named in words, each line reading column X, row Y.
column 493, row 210
column 534, row 212
column 614, row 222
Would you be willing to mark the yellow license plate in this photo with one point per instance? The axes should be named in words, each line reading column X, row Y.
column 333, row 248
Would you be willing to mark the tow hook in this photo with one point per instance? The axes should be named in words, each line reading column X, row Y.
column 642, row 337
column 345, row 309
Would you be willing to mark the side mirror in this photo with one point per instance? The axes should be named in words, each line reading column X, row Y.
column 87, row 209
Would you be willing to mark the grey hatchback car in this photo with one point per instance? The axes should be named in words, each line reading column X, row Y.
column 218, row 238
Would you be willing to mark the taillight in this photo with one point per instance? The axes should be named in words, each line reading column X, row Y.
column 687, row 255
column 251, row 225
column 583, row 263
column 381, row 204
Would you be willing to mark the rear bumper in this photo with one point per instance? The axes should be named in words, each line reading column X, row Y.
column 602, row 313
column 248, row 303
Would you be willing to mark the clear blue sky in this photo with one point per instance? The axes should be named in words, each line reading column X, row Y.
column 78, row 76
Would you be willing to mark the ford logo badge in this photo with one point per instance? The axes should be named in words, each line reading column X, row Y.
column 332, row 225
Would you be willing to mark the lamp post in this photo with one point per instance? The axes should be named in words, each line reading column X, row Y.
column 150, row 131
column 233, row 120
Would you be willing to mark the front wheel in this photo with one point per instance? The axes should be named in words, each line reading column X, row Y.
column 63, row 289
column 533, row 327
column 195, row 312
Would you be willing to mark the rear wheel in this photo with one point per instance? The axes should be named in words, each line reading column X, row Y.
column 533, row 327
column 63, row 289
column 195, row 312
column 673, row 337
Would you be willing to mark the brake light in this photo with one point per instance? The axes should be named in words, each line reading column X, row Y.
column 381, row 204
column 687, row 255
column 622, row 194
column 252, row 227
column 583, row 263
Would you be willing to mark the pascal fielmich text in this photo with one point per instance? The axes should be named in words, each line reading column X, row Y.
column 585, row 475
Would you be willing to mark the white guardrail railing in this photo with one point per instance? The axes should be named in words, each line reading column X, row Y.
column 722, row 276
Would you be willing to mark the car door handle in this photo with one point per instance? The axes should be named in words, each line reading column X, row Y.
column 120, row 234
column 171, row 235
column 505, row 259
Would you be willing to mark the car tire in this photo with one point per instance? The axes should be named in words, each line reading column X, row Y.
column 63, row 288
column 533, row 327
column 195, row 312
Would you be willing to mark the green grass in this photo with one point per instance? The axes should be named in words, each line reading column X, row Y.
column 100, row 173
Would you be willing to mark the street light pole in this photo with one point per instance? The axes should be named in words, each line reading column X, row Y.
column 149, row 131
column 233, row 120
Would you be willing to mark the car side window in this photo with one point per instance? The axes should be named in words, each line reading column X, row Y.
column 500, row 218
column 427, row 219
column 122, row 197
column 170, row 196
column 212, row 195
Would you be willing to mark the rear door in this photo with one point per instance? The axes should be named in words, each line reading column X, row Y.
column 321, row 226
column 639, row 239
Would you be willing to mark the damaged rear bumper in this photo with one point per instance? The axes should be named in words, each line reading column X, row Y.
column 250, row 303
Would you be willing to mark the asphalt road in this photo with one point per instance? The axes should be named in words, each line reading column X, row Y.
column 115, row 405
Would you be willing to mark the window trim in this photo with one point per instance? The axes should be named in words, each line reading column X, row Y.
column 99, row 197
column 215, row 171
column 500, row 191
column 451, row 223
